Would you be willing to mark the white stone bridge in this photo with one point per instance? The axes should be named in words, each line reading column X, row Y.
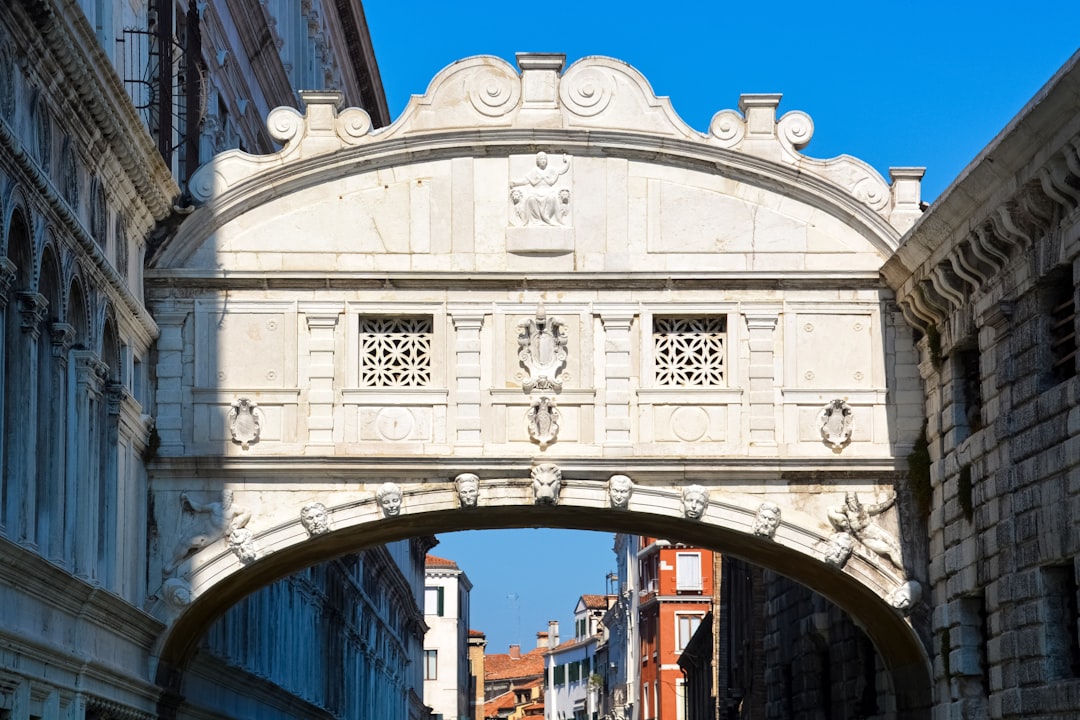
column 530, row 283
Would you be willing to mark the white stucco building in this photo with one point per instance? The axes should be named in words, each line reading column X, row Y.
column 448, row 687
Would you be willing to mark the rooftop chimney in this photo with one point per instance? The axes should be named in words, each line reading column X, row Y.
column 553, row 633
column 541, row 640
column 515, row 652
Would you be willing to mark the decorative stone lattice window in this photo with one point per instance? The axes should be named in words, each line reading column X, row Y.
column 690, row 351
column 395, row 351
column 1062, row 312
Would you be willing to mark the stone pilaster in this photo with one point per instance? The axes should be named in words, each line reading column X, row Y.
column 170, row 372
column 618, row 375
column 762, row 385
column 468, row 321
column 63, row 335
column 321, row 328
column 86, row 489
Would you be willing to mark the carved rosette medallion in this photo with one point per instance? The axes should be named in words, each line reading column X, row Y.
column 245, row 422
column 836, row 420
column 542, row 351
column 176, row 593
column 546, row 483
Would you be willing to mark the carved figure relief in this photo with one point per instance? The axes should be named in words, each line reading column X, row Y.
column 839, row 550
column 315, row 519
column 903, row 598
column 767, row 520
column 242, row 543
column 468, row 489
column 388, row 496
column 546, row 483
column 542, row 351
column 542, row 421
column 620, row 488
column 213, row 521
column 854, row 518
column 836, row 424
column 695, row 499
column 534, row 198
column 245, row 422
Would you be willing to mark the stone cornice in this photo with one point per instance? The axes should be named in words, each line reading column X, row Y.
column 249, row 22
column 361, row 56
column 212, row 279
column 1022, row 187
column 71, row 43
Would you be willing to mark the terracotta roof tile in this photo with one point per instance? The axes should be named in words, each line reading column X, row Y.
column 432, row 561
column 500, row 666
column 506, row 701
column 597, row 602
column 477, row 633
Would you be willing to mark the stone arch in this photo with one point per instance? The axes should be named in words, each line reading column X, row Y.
column 216, row 577
column 51, row 417
column 79, row 312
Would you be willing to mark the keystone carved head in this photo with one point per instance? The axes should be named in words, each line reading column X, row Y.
column 546, row 482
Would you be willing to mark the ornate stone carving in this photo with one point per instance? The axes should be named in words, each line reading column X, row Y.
column 542, row 351
column 242, row 543
column 855, row 518
column 33, row 308
column 695, row 499
column 836, row 424
column 389, row 497
column 245, row 422
column 620, row 488
column 8, row 272
column 535, row 198
column 546, row 483
column 542, row 421
column 468, row 489
column 315, row 519
column 767, row 520
column 218, row 518
column 587, row 91
column 839, row 550
column 62, row 335
column 176, row 593
column 904, row 598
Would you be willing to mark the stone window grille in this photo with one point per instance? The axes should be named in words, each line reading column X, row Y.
column 690, row 351
column 1062, row 311
column 395, row 352
column 1061, row 631
column 969, row 377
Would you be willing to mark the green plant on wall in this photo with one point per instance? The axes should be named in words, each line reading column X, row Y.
column 919, row 472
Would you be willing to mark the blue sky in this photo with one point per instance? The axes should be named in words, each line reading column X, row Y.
column 893, row 83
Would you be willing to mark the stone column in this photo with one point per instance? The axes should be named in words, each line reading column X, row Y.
column 56, row 543
column 321, row 328
column 468, row 321
column 170, row 370
column 618, row 374
column 89, row 373
column 22, row 464
column 762, row 388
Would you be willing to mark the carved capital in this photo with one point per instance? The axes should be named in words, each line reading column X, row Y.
column 63, row 335
column 32, row 307
column 90, row 371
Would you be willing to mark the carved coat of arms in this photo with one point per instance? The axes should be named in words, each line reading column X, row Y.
column 542, row 351
column 245, row 422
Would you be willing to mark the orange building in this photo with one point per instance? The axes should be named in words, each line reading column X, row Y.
column 675, row 586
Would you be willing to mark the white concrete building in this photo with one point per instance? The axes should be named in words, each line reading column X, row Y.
column 448, row 687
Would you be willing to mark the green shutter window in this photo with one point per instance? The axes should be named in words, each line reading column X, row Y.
column 575, row 671
column 442, row 602
column 560, row 675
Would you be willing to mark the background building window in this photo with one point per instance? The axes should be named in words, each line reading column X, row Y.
column 1062, row 312
column 395, row 351
column 686, row 626
column 431, row 662
column 688, row 571
column 434, row 601
column 689, row 351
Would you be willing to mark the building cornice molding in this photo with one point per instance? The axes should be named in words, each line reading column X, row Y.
column 70, row 42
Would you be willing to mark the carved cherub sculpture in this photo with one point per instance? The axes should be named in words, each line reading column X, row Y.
column 388, row 496
column 695, row 499
column 855, row 518
column 217, row 520
column 468, row 489
column 767, row 520
column 620, row 488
